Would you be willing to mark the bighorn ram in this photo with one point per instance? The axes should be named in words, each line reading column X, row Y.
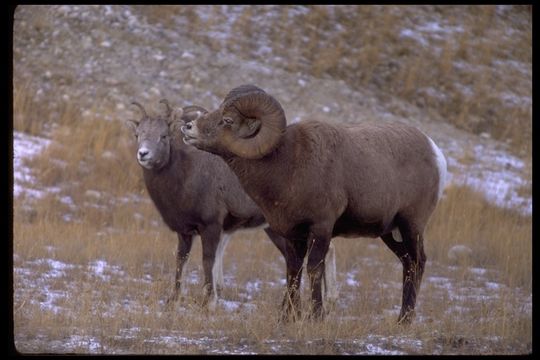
column 315, row 180
column 196, row 193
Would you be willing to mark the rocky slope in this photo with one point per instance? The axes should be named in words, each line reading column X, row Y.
column 100, row 58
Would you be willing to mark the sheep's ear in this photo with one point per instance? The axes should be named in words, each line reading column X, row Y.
column 132, row 124
column 253, row 124
column 175, row 126
column 249, row 128
column 176, row 120
column 192, row 115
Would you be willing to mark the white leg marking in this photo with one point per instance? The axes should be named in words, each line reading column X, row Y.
column 183, row 287
column 217, row 272
column 330, row 282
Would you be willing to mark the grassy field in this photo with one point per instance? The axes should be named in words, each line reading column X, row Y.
column 93, row 264
column 107, row 285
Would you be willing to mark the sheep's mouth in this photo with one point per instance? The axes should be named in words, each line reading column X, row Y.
column 190, row 140
column 187, row 137
column 146, row 164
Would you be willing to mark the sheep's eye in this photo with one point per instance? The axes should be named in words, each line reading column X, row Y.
column 228, row 120
column 163, row 137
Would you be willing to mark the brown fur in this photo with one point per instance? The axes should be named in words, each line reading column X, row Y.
column 322, row 180
column 312, row 173
column 326, row 180
column 196, row 194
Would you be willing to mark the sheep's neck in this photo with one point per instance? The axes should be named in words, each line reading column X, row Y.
column 262, row 179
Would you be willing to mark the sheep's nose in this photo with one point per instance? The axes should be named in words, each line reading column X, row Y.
column 143, row 153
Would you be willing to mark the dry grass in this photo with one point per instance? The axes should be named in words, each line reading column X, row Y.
column 466, row 217
column 119, row 309
column 125, row 311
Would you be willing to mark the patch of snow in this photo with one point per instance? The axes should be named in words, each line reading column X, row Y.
column 512, row 99
column 26, row 147
column 438, row 279
column 229, row 305
column 411, row 34
column 103, row 270
column 253, row 286
column 89, row 343
column 58, row 265
column 187, row 55
column 159, row 57
column 478, row 271
column 377, row 350
column 499, row 183
column 435, row 27
column 350, row 279
column 493, row 285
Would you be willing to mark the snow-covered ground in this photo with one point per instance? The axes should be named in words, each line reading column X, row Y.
column 497, row 174
column 25, row 147
column 51, row 285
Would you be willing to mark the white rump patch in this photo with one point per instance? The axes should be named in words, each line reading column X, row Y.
column 441, row 165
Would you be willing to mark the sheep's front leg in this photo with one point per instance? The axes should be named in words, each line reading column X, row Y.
column 182, row 255
column 279, row 241
column 317, row 250
column 210, row 239
column 296, row 250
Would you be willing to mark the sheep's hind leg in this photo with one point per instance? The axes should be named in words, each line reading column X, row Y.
column 210, row 239
column 411, row 254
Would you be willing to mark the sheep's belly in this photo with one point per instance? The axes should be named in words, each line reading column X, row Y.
column 349, row 227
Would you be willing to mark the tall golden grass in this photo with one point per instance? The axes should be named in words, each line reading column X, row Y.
column 93, row 162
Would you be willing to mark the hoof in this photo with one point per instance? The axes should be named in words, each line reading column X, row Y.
column 406, row 319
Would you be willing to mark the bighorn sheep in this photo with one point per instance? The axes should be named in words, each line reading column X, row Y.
column 315, row 180
column 195, row 193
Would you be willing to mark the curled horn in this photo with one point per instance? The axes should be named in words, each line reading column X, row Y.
column 168, row 110
column 140, row 107
column 248, row 103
